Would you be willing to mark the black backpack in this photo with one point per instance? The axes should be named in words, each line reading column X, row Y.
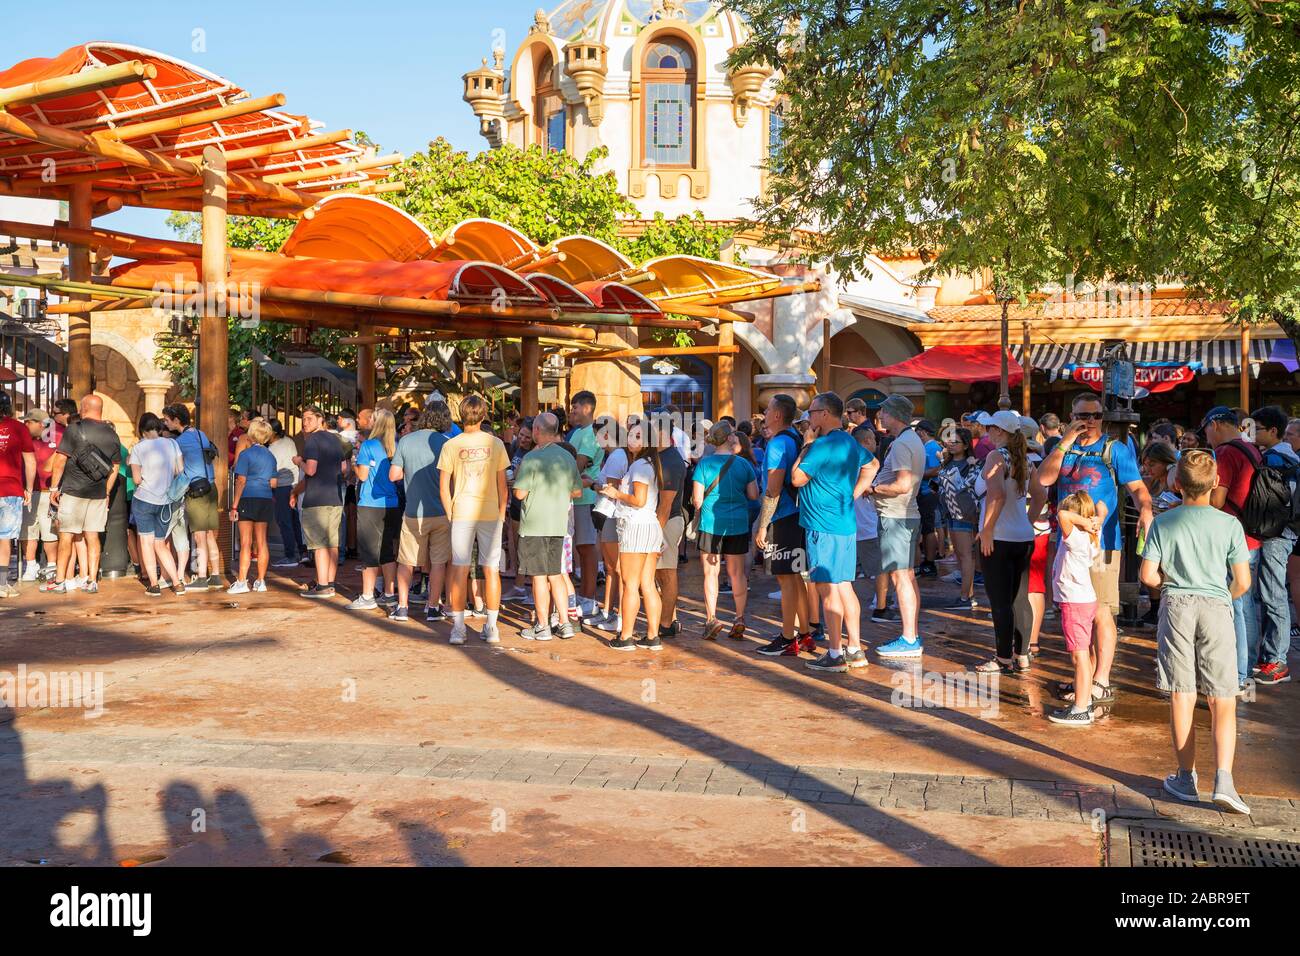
column 1267, row 510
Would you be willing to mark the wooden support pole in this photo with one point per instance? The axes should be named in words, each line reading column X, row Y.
column 1026, row 393
column 530, row 370
column 80, row 365
column 366, row 375
column 1245, row 367
column 214, row 330
column 726, row 404
column 824, row 376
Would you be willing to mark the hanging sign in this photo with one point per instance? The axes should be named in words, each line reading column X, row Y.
column 1150, row 376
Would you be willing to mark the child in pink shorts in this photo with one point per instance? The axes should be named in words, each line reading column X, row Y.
column 1080, row 521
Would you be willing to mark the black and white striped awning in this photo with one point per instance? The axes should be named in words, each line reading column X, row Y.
column 1217, row 356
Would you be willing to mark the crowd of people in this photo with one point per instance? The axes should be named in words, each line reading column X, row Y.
column 841, row 504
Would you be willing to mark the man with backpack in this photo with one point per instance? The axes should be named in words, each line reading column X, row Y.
column 1085, row 459
column 1238, row 463
column 85, row 470
column 201, row 516
column 1282, row 466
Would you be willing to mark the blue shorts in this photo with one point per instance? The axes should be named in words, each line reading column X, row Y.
column 151, row 519
column 11, row 518
column 955, row 525
column 832, row 558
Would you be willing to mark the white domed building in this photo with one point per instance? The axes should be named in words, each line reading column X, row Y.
column 648, row 80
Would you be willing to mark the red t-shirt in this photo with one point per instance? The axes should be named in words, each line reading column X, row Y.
column 231, row 443
column 44, row 459
column 14, row 440
column 1236, row 472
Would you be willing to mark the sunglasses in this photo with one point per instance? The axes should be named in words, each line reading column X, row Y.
column 1087, row 416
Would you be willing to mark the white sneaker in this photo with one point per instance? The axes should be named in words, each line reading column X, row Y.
column 457, row 635
column 608, row 622
column 30, row 572
column 490, row 635
column 534, row 632
column 475, row 612
column 259, row 587
column 587, row 607
column 239, row 587
column 365, row 602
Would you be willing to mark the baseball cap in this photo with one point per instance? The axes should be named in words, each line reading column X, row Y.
column 1006, row 420
column 1028, row 427
column 983, row 418
column 926, row 426
column 36, row 415
column 1219, row 413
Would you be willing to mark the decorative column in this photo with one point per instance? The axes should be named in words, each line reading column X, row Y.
column 214, row 329
column 938, row 401
column 155, row 394
column 81, row 369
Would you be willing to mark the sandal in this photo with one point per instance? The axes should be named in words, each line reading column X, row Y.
column 737, row 630
column 995, row 666
column 1107, row 696
column 712, row 629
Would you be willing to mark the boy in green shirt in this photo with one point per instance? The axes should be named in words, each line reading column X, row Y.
column 1190, row 552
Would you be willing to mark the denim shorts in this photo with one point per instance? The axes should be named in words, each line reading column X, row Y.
column 151, row 519
column 11, row 517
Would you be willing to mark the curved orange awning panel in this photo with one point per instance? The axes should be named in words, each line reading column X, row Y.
column 587, row 260
column 359, row 227
column 484, row 239
column 437, row 281
column 560, row 293
column 615, row 297
column 690, row 278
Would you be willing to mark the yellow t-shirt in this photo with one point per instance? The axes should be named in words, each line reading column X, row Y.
column 474, row 459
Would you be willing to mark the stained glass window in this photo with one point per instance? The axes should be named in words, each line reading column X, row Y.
column 669, row 55
column 556, row 127
column 668, row 124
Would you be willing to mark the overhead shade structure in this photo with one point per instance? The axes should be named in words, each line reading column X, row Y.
column 487, row 240
column 1282, row 351
column 954, row 363
column 588, row 260
column 690, row 279
column 135, row 122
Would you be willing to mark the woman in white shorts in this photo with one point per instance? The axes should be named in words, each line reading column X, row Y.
column 640, row 541
column 612, row 471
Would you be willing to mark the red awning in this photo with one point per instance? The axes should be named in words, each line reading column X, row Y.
column 956, row 363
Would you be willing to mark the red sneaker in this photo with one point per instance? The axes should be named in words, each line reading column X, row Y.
column 806, row 642
column 794, row 648
column 1273, row 673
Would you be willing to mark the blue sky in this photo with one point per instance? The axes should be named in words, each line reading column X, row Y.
column 391, row 69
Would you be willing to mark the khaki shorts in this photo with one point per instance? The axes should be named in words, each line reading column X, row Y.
column 320, row 526
column 201, row 513
column 82, row 515
column 425, row 542
column 1105, row 581
column 1196, row 647
column 38, row 525
column 673, row 531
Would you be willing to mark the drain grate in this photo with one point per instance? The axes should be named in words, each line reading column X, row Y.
column 1151, row 846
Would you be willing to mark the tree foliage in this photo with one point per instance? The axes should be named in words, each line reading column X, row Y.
column 1127, row 141
column 544, row 194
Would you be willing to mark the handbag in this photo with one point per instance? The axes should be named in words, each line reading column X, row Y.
column 91, row 460
column 201, row 487
column 692, row 530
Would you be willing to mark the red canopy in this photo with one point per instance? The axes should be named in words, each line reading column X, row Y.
column 955, row 363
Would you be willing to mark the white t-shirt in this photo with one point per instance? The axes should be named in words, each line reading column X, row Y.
column 1071, row 574
column 641, row 472
column 159, row 460
column 864, row 512
column 284, row 450
column 614, row 468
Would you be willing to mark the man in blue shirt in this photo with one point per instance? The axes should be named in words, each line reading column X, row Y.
column 779, row 533
column 1086, row 460
column 425, row 541
column 833, row 470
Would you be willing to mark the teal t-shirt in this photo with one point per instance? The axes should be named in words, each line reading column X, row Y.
column 832, row 465
column 725, row 510
column 550, row 476
column 1196, row 547
column 584, row 442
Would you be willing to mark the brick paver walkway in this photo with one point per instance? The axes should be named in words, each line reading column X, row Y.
column 982, row 796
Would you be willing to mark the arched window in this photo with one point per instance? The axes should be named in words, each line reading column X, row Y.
column 550, row 121
column 668, row 120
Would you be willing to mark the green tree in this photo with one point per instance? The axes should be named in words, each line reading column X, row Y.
column 544, row 194
column 1043, row 140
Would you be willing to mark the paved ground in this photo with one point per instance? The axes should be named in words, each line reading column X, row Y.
column 266, row 728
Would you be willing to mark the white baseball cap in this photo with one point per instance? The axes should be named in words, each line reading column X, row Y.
column 1006, row 420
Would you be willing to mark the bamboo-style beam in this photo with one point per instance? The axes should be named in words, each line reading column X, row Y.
column 637, row 278
column 65, row 286
column 109, row 149
column 216, row 114
column 287, row 146
column 512, row 311
column 546, row 261
column 716, row 313
column 653, row 352
column 86, row 81
column 340, row 169
column 523, row 259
